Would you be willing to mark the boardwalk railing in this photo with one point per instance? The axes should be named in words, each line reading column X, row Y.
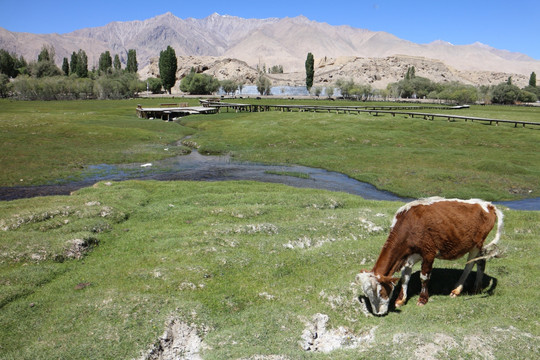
column 372, row 110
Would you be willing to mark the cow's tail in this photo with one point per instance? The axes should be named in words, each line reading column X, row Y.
column 500, row 224
column 492, row 250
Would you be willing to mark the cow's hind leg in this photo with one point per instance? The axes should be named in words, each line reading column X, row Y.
column 466, row 272
column 480, row 268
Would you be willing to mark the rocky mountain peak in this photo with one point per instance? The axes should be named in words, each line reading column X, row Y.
column 269, row 42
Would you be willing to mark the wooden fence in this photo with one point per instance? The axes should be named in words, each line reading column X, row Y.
column 372, row 110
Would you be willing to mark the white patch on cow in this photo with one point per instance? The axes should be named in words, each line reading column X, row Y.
column 434, row 199
column 424, row 277
column 372, row 290
column 411, row 260
column 383, row 303
column 406, row 272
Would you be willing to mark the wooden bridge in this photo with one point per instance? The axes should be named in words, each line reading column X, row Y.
column 168, row 112
column 372, row 110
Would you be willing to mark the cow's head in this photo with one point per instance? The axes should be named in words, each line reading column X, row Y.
column 378, row 289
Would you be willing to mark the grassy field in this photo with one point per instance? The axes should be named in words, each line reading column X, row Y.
column 410, row 157
column 246, row 267
column 244, row 270
column 42, row 142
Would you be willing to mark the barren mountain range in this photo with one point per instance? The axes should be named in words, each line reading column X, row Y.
column 232, row 47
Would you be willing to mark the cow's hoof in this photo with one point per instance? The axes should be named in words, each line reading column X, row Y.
column 400, row 303
column 420, row 303
column 454, row 294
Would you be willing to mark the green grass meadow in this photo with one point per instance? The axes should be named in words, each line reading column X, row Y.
column 101, row 273
column 248, row 264
column 408, row 156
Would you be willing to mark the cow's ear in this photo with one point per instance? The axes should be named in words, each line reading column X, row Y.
column 390, row 280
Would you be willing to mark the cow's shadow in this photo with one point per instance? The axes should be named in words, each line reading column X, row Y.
column 443, row 281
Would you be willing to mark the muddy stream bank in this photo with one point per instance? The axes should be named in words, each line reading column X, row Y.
column 197, row 167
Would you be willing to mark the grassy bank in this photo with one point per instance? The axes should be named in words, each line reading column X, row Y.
column 247, row 266
column 41, row 141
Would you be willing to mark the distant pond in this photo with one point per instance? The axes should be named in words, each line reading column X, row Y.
column 197, row 167
column 251, row 90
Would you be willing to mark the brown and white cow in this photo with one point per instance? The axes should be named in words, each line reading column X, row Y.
column 425, row 230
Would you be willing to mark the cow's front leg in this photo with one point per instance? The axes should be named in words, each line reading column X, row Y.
column 405, row 277
column 425, row 274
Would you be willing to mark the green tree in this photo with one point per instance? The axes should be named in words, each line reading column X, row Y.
column 345, row 87
column 329, row 91
column 199, row 84
column 167, row 68
column 154, row 85
column 47, row 53
column 505, row 93
column 532, row 89
column 229, row 86
column 310, row 70
column 411, row 73
column 73, row 63
column 132, row 66
column 45, row 65
column 264, row 85
column 317, row 90
column 276, row 69
column 21, row 65
column 532, row 79
column 116, row 63
column 105, row 62
column 527, row 97
column 4, row 85
column 81, row 64
column 65, row 66
column 7, row 64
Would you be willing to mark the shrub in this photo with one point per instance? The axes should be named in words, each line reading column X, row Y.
column 154, row 85
column 199, row 84
column 229, row 86
column 4, row 85
column 118, row 87
column 526, row 96
column 264, row 86
column 505, row 93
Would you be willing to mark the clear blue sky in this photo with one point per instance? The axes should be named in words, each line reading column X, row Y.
column 508, row 25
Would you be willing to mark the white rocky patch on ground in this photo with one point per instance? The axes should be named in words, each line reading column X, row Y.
column 76, row 248
column 317, row 338
column 180, row 341
column 306, row 242
column 369, row 226
column 439, row 345
column 266, row 357
column 264, row 228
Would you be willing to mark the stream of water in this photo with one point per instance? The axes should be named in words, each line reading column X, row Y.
column 198, row 167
